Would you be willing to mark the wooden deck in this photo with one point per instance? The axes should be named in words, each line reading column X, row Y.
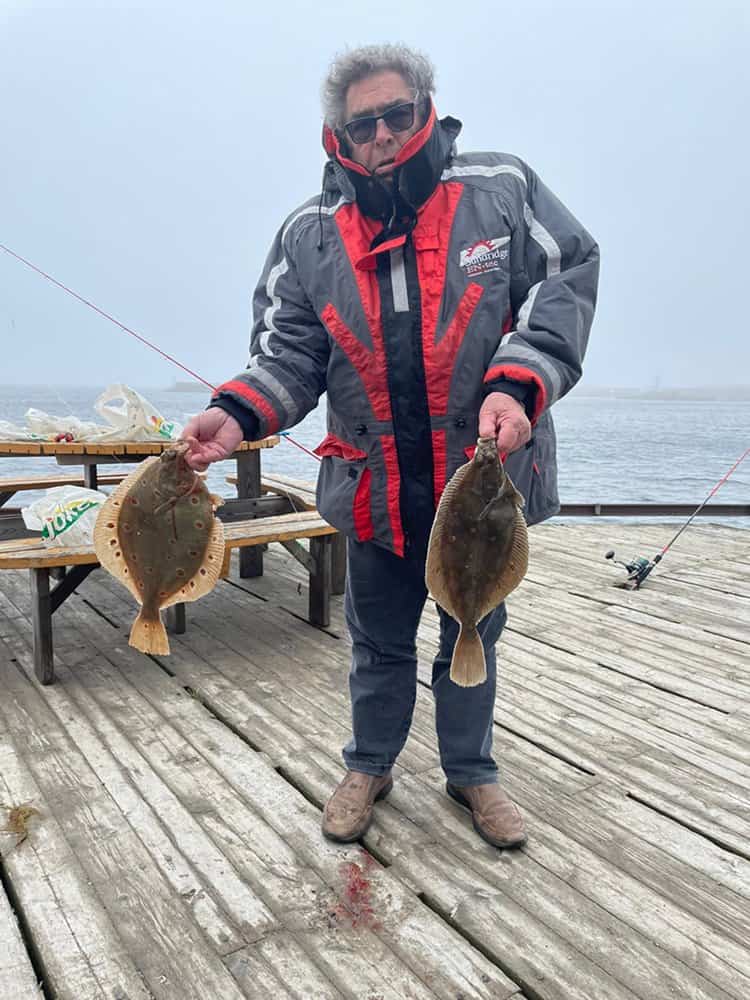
column 176, row 851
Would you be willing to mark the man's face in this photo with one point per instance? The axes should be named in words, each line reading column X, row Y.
column 374, row 95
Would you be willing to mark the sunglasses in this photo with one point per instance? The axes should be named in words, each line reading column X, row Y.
column 397, row 119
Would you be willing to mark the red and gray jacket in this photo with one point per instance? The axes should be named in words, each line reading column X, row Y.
column 407, row 305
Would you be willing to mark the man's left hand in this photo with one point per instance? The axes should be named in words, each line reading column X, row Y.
column 503, row 418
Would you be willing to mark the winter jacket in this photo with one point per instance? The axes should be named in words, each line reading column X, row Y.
column 407, row 305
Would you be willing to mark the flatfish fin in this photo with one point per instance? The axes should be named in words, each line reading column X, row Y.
column 149, row 635
column 468, row 665
column 106, row 531
column 209, row 571
column 434, row 569
column 516, row 566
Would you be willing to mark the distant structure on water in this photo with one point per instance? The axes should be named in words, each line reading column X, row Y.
column 193, row 386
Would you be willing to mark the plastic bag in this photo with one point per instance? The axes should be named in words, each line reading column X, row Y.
column 65, row 515
column 131, row 416
column 128, row 415
column 12, row 432
column 49, row 427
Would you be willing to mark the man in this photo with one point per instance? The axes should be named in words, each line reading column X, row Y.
column 435, row 296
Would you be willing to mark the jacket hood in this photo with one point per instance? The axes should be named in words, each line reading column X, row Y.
column 419, row 164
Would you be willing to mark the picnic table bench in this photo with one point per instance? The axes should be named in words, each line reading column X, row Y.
column 10, row 485
column 78, row 562
column 300, row 495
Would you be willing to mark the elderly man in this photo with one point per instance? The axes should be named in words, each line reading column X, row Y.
column 435, row 297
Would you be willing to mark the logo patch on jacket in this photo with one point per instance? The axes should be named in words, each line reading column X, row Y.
column 484, row 256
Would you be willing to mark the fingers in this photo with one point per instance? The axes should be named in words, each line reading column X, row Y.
column 503, row 418
column 487, row 422
column 194, row 455
column 211, row 436
column 514, row 432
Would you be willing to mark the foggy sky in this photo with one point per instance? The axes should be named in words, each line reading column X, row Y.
column 150, row 152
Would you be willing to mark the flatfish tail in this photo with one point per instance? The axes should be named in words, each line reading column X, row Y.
column 468, row 665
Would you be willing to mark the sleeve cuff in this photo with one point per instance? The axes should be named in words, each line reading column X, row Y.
column 522, row 392
column 242, row 414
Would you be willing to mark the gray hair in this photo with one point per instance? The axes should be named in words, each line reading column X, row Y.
column 356, row 64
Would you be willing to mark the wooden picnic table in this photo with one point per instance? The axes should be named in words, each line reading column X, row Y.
column 91, row 454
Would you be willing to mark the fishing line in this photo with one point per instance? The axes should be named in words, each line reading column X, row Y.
column 133, row 333
column 639, row 567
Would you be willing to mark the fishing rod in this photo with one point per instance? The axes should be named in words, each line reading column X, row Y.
column 284, row 434
column 640, row 567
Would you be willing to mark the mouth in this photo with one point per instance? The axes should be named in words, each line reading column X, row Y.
column 386, row 167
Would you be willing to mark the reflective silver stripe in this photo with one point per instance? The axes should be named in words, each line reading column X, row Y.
column 273, row 276
column 517, row 351
column 281, row 268
column 398, row 281
column 312, row 210
column 545, row 240
column 528, row 304
column 483, row 171
column 273, row 385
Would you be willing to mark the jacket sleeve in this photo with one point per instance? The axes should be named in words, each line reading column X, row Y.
column 289, row 350
column 554, row 276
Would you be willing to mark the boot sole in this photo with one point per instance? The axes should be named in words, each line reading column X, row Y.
column 463, row 801
column 358, row 834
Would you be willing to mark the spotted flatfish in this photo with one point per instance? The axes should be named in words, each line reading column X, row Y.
column 157, row 534
column 477, row 553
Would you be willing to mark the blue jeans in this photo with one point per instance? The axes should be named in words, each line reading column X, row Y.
column 384, row 599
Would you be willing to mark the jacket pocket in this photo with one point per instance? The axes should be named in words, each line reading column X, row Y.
column 344, row 488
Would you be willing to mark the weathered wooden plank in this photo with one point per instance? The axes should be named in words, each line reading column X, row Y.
column 665, row 887
column 640, row 694
column 289, row 814
column 269, row 676
column 292, row 966
column 17, row 974
column 256, row 979
column 152, row 921
column 185, row 855
column 626, row 648
column 110, row 447
column 635, row 674
column 551, row 968
column 726, row 869
column 24, row 553
column 19, row 484
column 616, row 921
column 310, row 769
column 82, row 955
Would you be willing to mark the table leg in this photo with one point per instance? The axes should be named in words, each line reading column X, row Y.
column 319, row 607
column 90, row 477
column 248, row 485
column 41, row 620
column 176, row 619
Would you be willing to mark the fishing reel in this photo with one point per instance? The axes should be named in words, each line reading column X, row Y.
column 637, row 569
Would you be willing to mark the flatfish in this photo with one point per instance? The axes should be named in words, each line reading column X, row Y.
column 157, row 534
column 478, row 553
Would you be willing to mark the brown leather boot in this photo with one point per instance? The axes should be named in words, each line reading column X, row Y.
column 496, row 818
column 348, row 812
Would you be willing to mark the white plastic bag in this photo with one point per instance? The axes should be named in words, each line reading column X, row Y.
column 49, row 427
column 131, row 416
column 12, row 432
column 65, row 515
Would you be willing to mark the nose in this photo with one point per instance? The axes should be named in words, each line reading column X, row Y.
column 382, row 132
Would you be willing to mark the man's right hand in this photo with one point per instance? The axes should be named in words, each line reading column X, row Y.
column 212, row 436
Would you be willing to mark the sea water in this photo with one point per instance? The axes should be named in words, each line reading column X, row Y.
column 609, row 449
